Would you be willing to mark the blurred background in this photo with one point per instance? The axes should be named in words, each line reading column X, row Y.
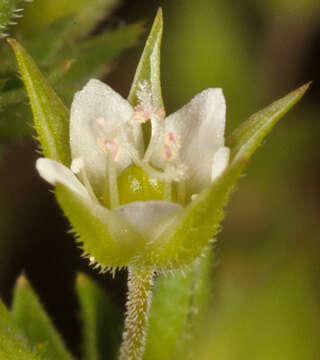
column 267, row 271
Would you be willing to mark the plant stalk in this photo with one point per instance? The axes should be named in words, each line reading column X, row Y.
column 137, row 314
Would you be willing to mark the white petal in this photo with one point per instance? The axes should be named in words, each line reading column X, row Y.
column 96, row 101
column 54, row 172
column 220, row 162
column 148, row 216
column 200, row 125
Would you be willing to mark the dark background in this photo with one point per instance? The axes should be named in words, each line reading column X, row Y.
column 256, row 51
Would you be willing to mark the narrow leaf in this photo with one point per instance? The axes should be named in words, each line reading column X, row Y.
column 190, row 234
column 29, row 314
column 101, row 321
column 248, row 136
column 149, row 66
column 13, row 343
column 50, row 114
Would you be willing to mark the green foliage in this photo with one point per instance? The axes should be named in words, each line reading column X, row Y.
column 149, row 66
column 56, row 34
column 13, row 343
column 86, row 14
column 248, row 136
column 49, row 113
column 189, row 235
column 179, row 303
column 101, row 321
column 29, row 315
column 8, row 10
column 100, row 232
column 92, row 58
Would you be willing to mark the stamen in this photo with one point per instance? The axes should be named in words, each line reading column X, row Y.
column 100, row 121
column 110, row 147
column 76, row 165
column 113, row 185
column 170, row 149
column 141, row 115
column 144, row 94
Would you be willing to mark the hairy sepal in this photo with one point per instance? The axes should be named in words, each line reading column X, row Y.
column 51, row 117
column 104, row 237
column 190, row 234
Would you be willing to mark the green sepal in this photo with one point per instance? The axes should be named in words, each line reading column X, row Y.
column 101, row 320
column 51, row 117
column 189, row 234
column 248, row 136
column 180, row 300
column 29, row 315
column 14, row 345
column 7, row 10
column 149, row 65
column 101, row 233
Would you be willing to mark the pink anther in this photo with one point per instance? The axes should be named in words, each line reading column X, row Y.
column 141, row 114
column 167, row 152
column 112, row 148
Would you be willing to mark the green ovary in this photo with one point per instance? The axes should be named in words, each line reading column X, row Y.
column 135, row 185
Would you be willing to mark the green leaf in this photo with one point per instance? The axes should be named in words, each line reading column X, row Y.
column 149, row 66
column 190, row 233
column 92, row 58
column 85, row 13
column 101, row 321
column 177, row 308
column 101, row 233
column 50, row 114
column 248, row 136
column 29, row 314
column 13, row 343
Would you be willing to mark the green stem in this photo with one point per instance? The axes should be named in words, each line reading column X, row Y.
column 138, row 305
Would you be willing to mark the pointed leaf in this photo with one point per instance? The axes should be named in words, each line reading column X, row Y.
column 50, row 114
column 190, row 234
column 13, row 343
column 29, row 314
column 101, row 320
column 149, row 65
column 248, row 136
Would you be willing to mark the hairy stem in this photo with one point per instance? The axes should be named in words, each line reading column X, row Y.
column 138, row 305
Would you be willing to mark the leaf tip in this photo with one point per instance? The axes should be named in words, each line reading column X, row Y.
column 81, row 278
column 22, row 281
column 12, row 42
column 302, row 89
column 159, row 14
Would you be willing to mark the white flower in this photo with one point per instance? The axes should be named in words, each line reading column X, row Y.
column 186, row 151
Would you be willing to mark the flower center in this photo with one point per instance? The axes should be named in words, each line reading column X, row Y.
column 164, row 146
